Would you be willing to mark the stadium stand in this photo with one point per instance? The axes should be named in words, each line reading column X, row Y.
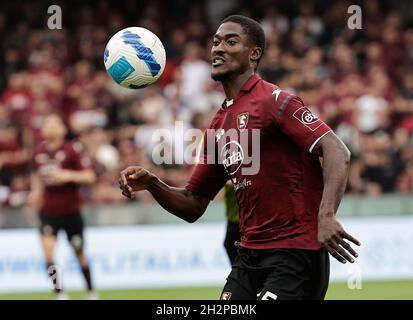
column 360, row 83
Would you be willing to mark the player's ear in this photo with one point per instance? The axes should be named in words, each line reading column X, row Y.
column 256, row 53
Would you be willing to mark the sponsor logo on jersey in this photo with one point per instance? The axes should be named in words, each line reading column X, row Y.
column 276, row 93
column 232, row 156
column 241, row 185
column 242, row 120
column 310, row 120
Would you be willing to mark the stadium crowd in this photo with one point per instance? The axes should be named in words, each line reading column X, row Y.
column 359, row 81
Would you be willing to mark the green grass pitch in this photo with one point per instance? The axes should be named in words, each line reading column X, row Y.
column 383, row 290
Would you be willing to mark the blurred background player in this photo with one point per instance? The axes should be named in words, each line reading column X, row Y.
column 232, row 234
column 60, row 170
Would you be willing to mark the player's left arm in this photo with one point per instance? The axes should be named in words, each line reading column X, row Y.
column 336, row 165
column 307, row 130
column 85, row 176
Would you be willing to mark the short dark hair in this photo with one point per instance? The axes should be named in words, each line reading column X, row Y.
column 252, row 28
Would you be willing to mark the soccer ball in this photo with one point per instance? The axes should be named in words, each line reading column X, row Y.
column 134, row 57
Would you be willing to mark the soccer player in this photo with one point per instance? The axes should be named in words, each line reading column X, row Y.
column 60, row 169
column 288, row 207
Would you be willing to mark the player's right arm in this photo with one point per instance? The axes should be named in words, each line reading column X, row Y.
column 187, row 203
column 179, row 201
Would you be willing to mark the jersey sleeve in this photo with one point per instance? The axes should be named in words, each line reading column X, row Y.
column 207, row 179
column 296, row 121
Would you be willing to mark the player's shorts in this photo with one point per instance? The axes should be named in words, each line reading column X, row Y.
column 278, row 274
column 72, row 224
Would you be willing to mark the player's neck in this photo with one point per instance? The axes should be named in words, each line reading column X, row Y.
column 54, row 144
column 233, row 85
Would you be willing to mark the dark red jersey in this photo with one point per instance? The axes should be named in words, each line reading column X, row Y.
column 278, row 187
column 62, row 199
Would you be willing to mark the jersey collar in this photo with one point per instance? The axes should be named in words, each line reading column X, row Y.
column 248, row 85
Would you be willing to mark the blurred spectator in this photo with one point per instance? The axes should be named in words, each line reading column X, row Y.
column 271, row 67
column 195, row 74
column 306, row 21
column 371, row 111
column 274, row 22
column 13, row 156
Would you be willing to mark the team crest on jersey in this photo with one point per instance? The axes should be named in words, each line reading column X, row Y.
column 232, row 155
column 310, row 120
column 242, row 120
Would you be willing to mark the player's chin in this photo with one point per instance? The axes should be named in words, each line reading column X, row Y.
column 219, row 75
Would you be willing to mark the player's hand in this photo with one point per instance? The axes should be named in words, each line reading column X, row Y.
column 331, row 236
column 134, row 179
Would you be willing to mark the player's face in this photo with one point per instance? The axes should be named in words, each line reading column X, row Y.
column 53, row 128
column 231, row 52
